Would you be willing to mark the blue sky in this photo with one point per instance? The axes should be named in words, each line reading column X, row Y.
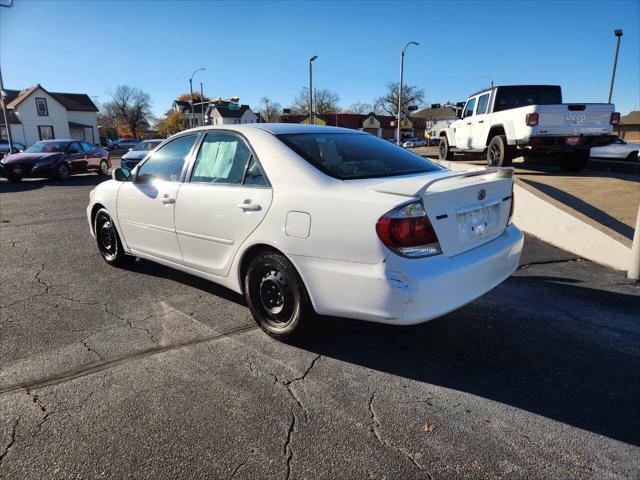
column 252, row 49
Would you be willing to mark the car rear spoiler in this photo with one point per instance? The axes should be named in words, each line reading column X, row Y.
column 489, row 172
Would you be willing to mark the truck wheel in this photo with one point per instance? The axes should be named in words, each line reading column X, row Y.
column 499, row 153
column 574, row 161
column 444, row 151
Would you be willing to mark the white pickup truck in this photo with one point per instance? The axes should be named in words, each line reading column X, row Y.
column 529, row 120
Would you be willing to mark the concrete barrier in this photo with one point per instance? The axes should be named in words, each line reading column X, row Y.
column 534, row 214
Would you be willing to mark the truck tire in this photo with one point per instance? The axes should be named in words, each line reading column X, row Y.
column 574, row 161
column 499, row 153
column 444, row 151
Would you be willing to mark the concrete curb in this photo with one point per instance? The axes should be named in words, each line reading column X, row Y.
column 539, row 217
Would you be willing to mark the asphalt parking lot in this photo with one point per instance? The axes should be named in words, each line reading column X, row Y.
column 150, row 373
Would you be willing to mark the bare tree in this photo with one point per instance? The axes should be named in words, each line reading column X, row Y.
column 411, row 95
column 269, row 109
column 361, row 108
column 131, row 107
column 325, row 102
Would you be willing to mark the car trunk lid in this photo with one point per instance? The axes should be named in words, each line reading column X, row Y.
column 466, row 209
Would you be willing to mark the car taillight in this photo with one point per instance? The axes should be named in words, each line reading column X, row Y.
column 532, row 119
column 615, row 118
column 407, row 231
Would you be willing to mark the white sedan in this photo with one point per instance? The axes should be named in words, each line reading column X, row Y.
column 307, row 220
column 619, row 149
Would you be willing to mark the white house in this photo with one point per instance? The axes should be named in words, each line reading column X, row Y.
column 36, row 114
column 189, row 115
column 219, row 113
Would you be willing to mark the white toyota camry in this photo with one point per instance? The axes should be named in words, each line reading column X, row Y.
column 307, row 220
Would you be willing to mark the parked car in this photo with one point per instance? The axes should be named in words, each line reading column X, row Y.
column 529, row 119
column 4, row 146
column 55, row 159
column 106, row 143
column 414, row 142
column 137, row 153
column 307, row 220
column 619, row 149
column 125, row 143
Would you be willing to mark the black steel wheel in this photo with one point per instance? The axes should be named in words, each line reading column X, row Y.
column 108, row 240
column 63, row 171
column 277, row 296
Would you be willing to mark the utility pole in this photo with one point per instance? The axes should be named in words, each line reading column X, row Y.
column 202, row 103
column 400, row 90
column 312, row 119
column 618, row 34
column 3, row 99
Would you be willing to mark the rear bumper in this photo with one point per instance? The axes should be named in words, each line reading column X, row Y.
column 404, row 291
column 558, row 142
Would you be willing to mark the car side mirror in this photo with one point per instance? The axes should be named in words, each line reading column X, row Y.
column 122, row 174
column 458, row 114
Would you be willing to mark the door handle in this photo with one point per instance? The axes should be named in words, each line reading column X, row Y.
column 247, row 206
column 167, row 200
column 468, row 123
column 480, row 121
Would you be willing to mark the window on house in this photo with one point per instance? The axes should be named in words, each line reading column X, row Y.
column 45, row 132
column 41, row 105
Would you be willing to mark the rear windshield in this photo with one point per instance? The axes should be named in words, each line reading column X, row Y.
column 351, row 155
column 523, row 95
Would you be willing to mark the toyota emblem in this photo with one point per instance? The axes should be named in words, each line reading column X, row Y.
column 481, row 194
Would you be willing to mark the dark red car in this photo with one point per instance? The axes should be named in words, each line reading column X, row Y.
column 55, row 159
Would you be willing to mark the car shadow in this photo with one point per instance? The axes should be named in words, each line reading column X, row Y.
column 82, row 180
column 548, row 364
column 554, row 361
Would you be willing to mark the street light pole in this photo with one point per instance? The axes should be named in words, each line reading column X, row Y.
column 400, row 88
column 191, row 90
column 3, row 100
column 202, row 102
column 312, row 120
column 617, row 33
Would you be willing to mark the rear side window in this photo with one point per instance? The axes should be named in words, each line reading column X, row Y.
column 350, row 156
column 167, row 162
column 483, row 101
column 221, row 159
column 523, row 95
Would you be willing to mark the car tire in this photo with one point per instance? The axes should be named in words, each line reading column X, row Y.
column 444, row 150
column 63, row 172
column 277, row 297
column 633, row 157
column 574, row 161
column 108, row 240
column 499, row 153
column 103, row 170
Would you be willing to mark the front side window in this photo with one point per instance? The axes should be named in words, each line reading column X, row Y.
column 468, row 110
column 483, row 102
column 221, row 159
column 74, row 148
column 167, row 163
column 348, row 156
column 45, row 132
column 41, row 105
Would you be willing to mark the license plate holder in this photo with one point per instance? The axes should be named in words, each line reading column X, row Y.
column 572, row 141
column 479, row 222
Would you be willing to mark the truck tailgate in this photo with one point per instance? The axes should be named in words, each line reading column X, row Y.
column 575, row 119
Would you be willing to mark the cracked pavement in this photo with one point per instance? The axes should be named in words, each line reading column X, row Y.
column 146, row 372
